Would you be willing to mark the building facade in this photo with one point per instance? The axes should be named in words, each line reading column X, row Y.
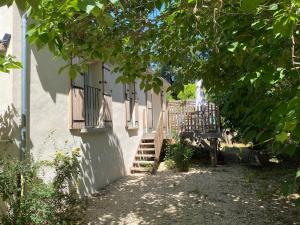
column 104, row 119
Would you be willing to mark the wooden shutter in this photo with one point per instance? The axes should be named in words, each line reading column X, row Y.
column 136, row 105
column 77, row 108
column 127, row 105
column 149, row 110
column 136, row 110
column 127, row 112
column 108, row 110
column 106, row 79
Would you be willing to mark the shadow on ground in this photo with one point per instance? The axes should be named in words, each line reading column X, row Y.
column 205, row 195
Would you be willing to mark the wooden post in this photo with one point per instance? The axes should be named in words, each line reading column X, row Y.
column 213, row 151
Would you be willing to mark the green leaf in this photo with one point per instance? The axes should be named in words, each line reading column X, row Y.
column 89, row 8
column 114, row 1
column 296, row 131
column 282, row 137
column 232, row 47
column 250, row 5
column 63, row 68
column 273, row 7
column 298, row 173
column 73, row 72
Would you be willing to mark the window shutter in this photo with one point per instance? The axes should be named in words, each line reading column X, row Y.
column 77, row 108
column 106, row 79
column 127, row 106
column 108, row 110
column 127, row 109
column 136, row 105
column 149, row 110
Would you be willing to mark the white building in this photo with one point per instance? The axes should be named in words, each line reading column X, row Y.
column 107, row 121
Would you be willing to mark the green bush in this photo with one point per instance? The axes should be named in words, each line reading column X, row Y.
column 178, row 155
column 31, row 201
column 170, row 164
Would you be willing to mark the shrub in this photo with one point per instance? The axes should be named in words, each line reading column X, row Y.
column 170, row 164
column 178, row 155
column 182, row 156
column 31, row 201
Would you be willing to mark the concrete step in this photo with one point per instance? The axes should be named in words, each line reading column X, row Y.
column 146, row 144
column 146, row 149
column 140, row 169
column 143, row 162
column 147, row 140
column 146, row 155
column 149, row 159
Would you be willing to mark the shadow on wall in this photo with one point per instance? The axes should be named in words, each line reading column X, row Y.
column 8, row 139
column 47, row 68
column 102, row 161
column 9, row 132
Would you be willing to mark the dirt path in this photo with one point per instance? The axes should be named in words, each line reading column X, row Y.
column 203, row 196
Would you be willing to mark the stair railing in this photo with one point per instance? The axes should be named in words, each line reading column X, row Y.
column 159, row 137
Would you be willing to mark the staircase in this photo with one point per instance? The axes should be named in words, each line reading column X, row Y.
column 145, row 157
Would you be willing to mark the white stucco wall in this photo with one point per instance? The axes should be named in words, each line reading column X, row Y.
column 105, row 156
column 9, row 110
column 5, row 78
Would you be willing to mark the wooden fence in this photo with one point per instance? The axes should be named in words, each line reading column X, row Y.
column 184, row 118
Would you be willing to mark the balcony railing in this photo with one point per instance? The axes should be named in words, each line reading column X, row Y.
column 184, row 118
column 92, row 106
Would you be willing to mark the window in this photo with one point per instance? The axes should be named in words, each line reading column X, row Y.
column 91, row 106
column 131, row 106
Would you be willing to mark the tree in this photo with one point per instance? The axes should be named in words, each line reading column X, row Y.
column 240, row 48
column 188, row 93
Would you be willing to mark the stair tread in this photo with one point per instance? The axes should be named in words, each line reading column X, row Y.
column 145, row 155
column 147, row 143
column 147, row 138
column 144, row 162
column 141, row 169
column 146, row 149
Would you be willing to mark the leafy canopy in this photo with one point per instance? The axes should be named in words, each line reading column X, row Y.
column 240, row 48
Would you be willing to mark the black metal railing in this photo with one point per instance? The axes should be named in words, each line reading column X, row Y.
column 92, row 106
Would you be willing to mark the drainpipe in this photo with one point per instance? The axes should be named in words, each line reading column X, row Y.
column 24, row 89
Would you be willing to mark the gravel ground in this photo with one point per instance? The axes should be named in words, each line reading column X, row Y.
column 203, row 196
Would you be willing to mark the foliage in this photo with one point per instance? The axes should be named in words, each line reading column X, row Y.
column 188, row 92
column 170, row 164
column 7, row 63
column 240, row 48
column 178, row 155
column 32, row 201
